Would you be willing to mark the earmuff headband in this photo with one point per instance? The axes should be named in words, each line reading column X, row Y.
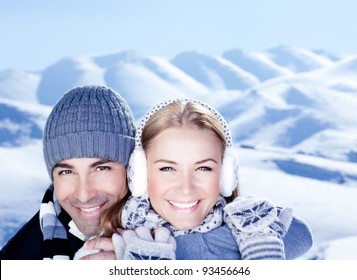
column 137, row 167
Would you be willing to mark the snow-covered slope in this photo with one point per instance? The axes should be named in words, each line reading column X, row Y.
column 19, row 85
column 298, row 59
column 215, row 72
column 321, row 191
column 260, row 64
column 21, row 122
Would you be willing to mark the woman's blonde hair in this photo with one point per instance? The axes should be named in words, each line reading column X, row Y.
column 182, row 114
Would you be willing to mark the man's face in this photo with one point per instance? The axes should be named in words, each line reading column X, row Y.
column 85, row 187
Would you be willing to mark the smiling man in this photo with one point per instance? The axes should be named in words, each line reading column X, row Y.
column 88, row 139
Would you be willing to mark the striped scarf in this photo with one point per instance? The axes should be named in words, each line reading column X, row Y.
column 55, row 236
column 138, row 212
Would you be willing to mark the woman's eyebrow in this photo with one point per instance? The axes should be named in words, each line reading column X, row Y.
column 205, row 160
column 165, row 161
column 173, row 162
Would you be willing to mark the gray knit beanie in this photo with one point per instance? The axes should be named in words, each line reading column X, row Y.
column 89, row 121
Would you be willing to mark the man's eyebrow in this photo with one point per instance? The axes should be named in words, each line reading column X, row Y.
column 101, row 162
column 63, row 165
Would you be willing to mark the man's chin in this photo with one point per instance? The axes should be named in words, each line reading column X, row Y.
column 89, row 229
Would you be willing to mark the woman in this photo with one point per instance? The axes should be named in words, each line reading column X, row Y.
column 183, row 175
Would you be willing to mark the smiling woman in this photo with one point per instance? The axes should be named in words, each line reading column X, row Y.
column 183, row 176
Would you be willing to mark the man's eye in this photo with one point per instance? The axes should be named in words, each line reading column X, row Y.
column 204, row 168
column 64, row 172
column 102, row 168
column 166, row 168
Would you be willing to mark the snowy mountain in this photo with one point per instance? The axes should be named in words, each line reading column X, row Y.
column 19, row 85
column 214, row 71
column 310, row 113
column 21, row 123
column 260, row 64
column 298, row 59
column 291, row 111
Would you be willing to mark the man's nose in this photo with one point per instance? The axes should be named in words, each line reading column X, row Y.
column 85, row 189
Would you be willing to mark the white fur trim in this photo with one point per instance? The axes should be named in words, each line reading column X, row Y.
column 229, row 176
column 137, row 172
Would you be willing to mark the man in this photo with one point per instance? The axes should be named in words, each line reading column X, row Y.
column 88, row 139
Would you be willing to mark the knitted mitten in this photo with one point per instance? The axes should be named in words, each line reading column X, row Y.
column 139, row 244
column 257, row 227
column 84, row 252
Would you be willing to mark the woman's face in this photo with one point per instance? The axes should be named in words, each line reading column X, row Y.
column 184, row 168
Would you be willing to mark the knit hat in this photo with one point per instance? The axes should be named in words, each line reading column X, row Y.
column 89, row 121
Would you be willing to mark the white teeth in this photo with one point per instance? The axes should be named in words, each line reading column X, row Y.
column 184, row 205
column 89, row 210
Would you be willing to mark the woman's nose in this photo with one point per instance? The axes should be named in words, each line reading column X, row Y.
column 187, row 182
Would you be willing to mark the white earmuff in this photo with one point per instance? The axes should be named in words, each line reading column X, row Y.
column 137, row 172
column 229, row 175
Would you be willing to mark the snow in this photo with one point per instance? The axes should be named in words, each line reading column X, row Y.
column 325, row 205
column 348, row 246
column 298, row 59
column 215, row 72
column 257, row 63
column 23, row 180
column 291, row 112
column 19, row 85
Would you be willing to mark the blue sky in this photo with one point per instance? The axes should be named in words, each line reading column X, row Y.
column 35, row 34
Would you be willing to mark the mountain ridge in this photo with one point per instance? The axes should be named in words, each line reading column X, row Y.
column 285, row 97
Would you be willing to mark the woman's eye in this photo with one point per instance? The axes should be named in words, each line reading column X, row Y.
column 166, row 168
column 204, row 168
